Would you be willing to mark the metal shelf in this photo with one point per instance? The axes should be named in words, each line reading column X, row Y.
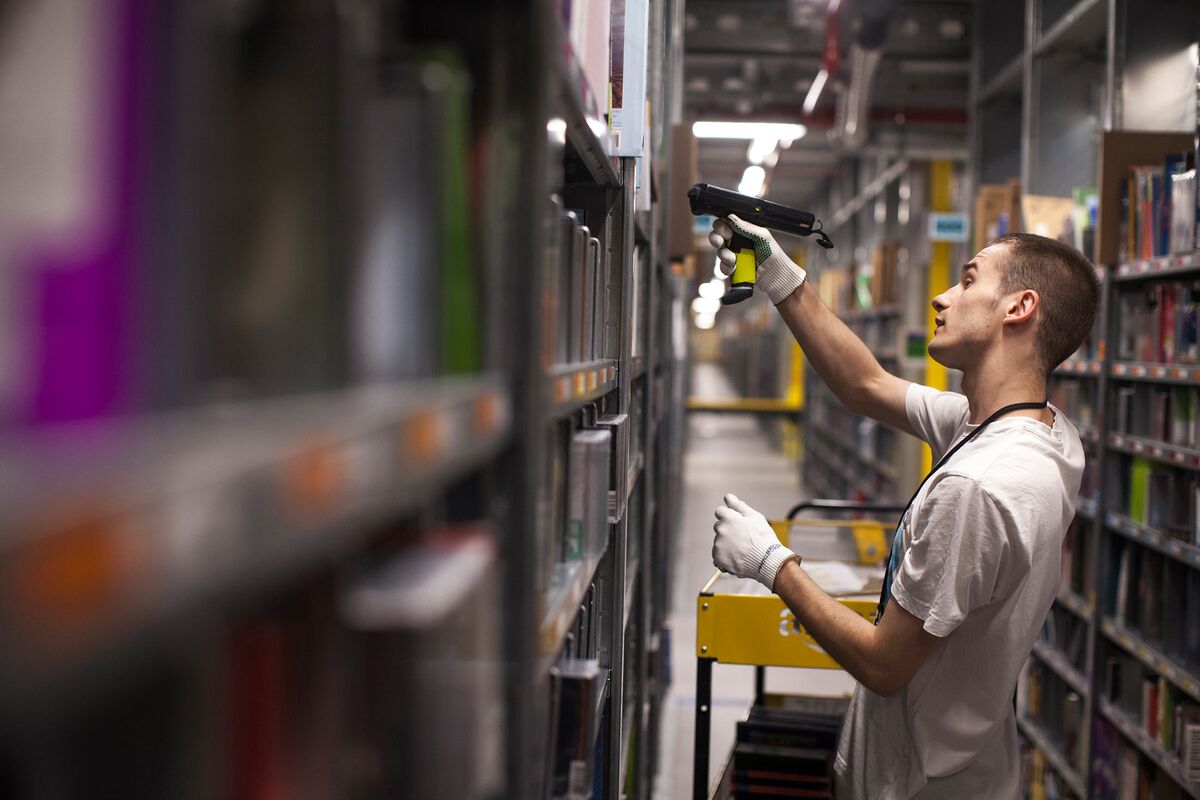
column 1080, row 366
column 631, row 576
column 1151, row 657
column 1167, row 762
column 573, row 385
column 181, row 511
column 870, row 314
column 1155, row 539
column 1061, row 666
column 877, row 466
column 869, row 193
column 1159, row 451
column 1034, row 733
column 1086, row 24
column 1178, row 265
column 1006, row 81
column 1176, row 374
column 586, row 131
column 563, row 607
column 1075, row 603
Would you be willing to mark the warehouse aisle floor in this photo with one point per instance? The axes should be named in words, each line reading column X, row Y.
column 726, row 453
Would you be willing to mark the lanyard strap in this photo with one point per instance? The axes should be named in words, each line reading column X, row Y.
column 885, row 593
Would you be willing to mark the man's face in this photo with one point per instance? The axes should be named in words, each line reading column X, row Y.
column 968, row 317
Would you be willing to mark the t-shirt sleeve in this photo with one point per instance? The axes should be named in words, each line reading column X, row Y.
column 935, row 416
column 959, row 547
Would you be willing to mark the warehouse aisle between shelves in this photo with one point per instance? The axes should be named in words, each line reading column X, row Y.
column 726, row 453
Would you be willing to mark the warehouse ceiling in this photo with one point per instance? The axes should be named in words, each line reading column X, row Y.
column 756, row 59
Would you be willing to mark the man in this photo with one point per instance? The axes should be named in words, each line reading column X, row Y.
column 974, row 566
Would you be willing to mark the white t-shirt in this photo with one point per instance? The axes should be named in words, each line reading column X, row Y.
column 980, row 566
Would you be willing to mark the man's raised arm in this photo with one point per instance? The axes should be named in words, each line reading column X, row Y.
column 844, row 363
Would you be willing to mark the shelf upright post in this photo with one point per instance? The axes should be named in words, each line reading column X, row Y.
column 620, row 242
column 518, row 233
column 1029, row 103
column 1114, row 54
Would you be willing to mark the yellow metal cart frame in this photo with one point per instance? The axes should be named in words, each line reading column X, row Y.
column 759, row 629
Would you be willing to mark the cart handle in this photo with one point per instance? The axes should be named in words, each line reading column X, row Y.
column 841, row 505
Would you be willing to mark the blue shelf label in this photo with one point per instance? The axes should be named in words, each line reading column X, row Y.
column 950, row 227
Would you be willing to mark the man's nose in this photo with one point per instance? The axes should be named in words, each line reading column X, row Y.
column 939, row 303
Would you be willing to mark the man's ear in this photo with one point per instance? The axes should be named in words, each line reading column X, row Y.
column 1021, row 307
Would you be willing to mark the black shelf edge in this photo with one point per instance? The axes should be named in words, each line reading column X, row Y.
column 1175, row 374
column 1144, row 742
column 573, row 385
column 1157, row 540
column 1061, row 666
column 1080, row 366
column 1159, row 451
column 1075, row 603
column 1180, row 264
column 234, row 501
column 1151, row 657
column 879, row 312
column 1007, row 80
column 1058, row 760
column 563, row 608
column 1082, row 25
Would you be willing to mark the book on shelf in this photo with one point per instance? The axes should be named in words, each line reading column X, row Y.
column 1191, row 637
column 587, row 526
column 1105, row 752
column 576, row 682
column 1159, row 322
column 1184, row 211
column 1147, row 214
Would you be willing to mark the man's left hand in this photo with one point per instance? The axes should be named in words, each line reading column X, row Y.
column 745, row 545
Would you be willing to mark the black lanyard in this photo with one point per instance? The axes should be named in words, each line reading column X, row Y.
column 885, row 591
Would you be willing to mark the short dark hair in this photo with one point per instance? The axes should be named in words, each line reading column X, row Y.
column 1067, row 287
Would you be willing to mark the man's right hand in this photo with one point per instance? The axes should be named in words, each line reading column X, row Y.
column 777, row 274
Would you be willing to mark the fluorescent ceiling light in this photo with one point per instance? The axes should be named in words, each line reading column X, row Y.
column 753, row 181
column 713, row 289
column 761, row 149
column 814, row 91
column 705, row 321
column 747, row 130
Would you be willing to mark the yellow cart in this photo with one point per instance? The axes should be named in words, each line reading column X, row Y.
column 739, row 622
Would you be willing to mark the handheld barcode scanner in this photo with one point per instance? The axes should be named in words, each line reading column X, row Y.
column 708, row 199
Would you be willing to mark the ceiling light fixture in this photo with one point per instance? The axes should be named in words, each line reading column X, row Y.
column 814, row 91
column 747, row 130
column 761, row 148
column 754, row 180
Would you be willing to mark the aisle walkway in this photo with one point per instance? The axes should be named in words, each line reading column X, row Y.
column 726, row 453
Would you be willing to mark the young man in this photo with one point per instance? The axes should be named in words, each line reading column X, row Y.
column 974, row 565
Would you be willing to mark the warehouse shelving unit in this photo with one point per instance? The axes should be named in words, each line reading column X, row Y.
column 341, row 580
column 1049, row 85
column 883, row 207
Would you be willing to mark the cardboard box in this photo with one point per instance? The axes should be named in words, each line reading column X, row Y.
column 684, row 148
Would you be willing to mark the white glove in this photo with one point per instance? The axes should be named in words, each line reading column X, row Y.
column 746, row 546
column 777, row 274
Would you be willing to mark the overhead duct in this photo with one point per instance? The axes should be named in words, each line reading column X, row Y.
column 854, row 104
